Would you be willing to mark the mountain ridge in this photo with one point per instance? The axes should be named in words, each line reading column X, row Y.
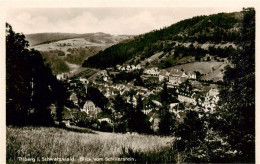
column 214, row 29
column 48, row 37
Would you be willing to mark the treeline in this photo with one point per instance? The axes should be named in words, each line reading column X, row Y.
column 53, row 60
column 30, row 86
column 56, row 59
column 214, row 29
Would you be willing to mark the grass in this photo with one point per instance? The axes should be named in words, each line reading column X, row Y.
column 55, row 142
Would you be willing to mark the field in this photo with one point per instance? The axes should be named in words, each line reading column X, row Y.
column 54, row 142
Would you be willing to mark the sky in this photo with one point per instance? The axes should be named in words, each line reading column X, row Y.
column 116, row 21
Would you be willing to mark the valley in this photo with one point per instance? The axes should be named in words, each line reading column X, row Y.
column 183, row 93
column 66, row 52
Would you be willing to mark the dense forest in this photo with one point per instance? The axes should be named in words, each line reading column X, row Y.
column 217, row 28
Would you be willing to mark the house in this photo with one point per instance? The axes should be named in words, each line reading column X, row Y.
column 67, row 117
column 62, row 76
column 210, row 101
column 152, row 71
column 157, row 104
column 138, row 66
column 147, row 111
column 74, row 98
column 186, row 98
column 154, row 120
column 133, row 101
column 108, row 120
column 187, row 44
column 175, row 76
column 172, row 106
column 83, row 80
column 213, row 92
column 164, row 75
column 133, row 67
column 118, row 67
column 191, row 75
column 174, row 80
column 103, row 73
column 90, row 108
column 128, row 67
column 184, row 76
column 105, row 78
column 206, row 46
column 207, row 57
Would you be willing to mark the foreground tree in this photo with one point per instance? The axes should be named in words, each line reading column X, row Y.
column 166, row 124
column 236, row 113
column 30, row 85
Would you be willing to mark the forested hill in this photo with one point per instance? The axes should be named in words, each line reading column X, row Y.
column 219, row 28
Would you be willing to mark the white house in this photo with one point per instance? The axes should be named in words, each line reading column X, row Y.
column 62, row 76
column 152, row 71
column 90, row 108
column 83, row 80
column 74, row 98
column 146, row 111
column 184, row 98
column 191, row 75
column 108, row 120
column 138, row 66
column 164, row 75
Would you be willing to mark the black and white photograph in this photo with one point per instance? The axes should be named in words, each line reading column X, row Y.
column 150, row 83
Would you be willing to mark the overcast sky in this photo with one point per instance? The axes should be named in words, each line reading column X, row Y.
column 115, row 21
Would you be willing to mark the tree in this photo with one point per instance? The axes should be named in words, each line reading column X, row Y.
column 166, row 123
column 97, row 97
column 190, row 137
column 237, row 97
column 18, row 88
column 119, row 104
column 30, row 84
column 142, row 124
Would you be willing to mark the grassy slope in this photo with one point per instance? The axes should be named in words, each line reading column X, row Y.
column 54, row 142
column 204, row 68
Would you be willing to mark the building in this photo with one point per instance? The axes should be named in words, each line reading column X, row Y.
column 152, row 71
column 187, row 98
column 62, row 76
column 108, row 120
column 90, row 108
column 192, row 75
column 83, row 80
column 164, row 75
column 74, row 98
column 67, row 117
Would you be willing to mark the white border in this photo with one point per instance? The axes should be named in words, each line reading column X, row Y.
column 5, row 4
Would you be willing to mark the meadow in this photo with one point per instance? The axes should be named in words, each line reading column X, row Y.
column 55, row 142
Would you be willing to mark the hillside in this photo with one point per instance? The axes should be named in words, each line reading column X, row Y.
column 65, row 52
column 216, row 35
column 211, row 70
column 44, row 38
column 40, row 38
